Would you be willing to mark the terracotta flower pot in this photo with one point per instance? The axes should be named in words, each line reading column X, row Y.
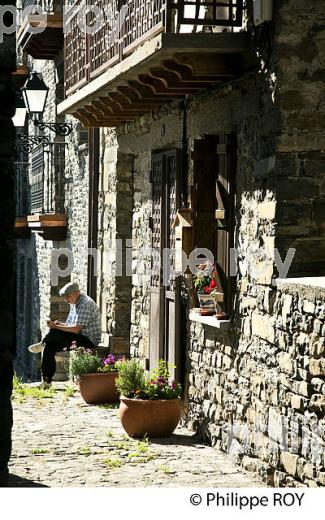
column 154, row 418
column 99, row 388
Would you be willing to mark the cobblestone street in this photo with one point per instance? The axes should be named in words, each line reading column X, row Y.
column 59, row 441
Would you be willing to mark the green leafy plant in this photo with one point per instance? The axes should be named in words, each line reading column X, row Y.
column 86, row 361
column 21, row 391
column 69, row 392
column 112, row 462
column 133, row 382
column 131, row 378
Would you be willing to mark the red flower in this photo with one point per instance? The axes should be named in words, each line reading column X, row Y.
column 206, row 290
column 213, row 284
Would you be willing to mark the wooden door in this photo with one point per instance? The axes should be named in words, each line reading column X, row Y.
column 164, row 308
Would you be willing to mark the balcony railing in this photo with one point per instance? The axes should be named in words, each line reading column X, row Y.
column 48, row 6
column 125, row 24
column 47, row 179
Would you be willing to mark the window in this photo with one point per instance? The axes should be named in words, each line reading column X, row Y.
column 213, row 201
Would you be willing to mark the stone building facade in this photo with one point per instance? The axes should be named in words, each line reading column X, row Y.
column 253, row 383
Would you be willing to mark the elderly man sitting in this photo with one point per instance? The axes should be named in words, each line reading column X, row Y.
column 83, row 326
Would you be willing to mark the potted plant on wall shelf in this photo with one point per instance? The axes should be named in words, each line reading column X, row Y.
column 205, row 283
column 149, row 403
column 96, row 376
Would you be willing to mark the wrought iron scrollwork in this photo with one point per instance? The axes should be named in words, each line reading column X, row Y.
column 28, row 143
column 63, row 129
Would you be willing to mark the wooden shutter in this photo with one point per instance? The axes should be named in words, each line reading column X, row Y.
column 204, row 202
column 225, row 218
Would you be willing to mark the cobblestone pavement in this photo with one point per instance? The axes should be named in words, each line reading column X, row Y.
column 62, row 442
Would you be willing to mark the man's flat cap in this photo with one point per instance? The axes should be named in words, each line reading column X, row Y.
column 69, row 288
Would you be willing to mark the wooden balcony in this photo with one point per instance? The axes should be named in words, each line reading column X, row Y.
column 149, row 52
column 50, row 226
column 47, row 44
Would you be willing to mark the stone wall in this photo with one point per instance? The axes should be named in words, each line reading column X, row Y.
column 36, row 289
column 115, row 229
column 300, row 170
column 260, row 393
column 253, row 385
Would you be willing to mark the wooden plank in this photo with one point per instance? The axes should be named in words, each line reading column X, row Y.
column 225, row 191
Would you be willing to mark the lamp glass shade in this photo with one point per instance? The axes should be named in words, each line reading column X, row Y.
column 19, row 118
column 35, row 94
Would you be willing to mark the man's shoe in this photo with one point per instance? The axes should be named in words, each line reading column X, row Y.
column 36, row 348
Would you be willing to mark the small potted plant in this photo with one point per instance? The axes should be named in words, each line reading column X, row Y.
column 205, row 283
column 149, row 402
column 96, row 375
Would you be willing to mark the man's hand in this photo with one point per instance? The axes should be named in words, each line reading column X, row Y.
column 51, row 324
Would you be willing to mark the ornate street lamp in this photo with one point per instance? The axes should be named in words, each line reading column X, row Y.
column 35, row 94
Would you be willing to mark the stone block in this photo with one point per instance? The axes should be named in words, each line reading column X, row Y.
column 297, row 402
column 321, row 478
column 279, row 479
column 267, row 210
column 218, row 392
column 226, row 362
column 291, row 188
column 302, row 388
column 317, row 404
column 268, row 300
column 250, row 463
column 263, row 327
column 119, row 345
column 316, row 346
column 289, row 462
column 286, row 307
column 317, row 326
column 261, row 270
column 285, row 362
column 317, row 367
column 276, row 426
column 318, row 384
column 308, row 307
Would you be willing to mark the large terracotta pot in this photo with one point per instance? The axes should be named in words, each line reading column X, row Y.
column 154, row 418
column 99, row 388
